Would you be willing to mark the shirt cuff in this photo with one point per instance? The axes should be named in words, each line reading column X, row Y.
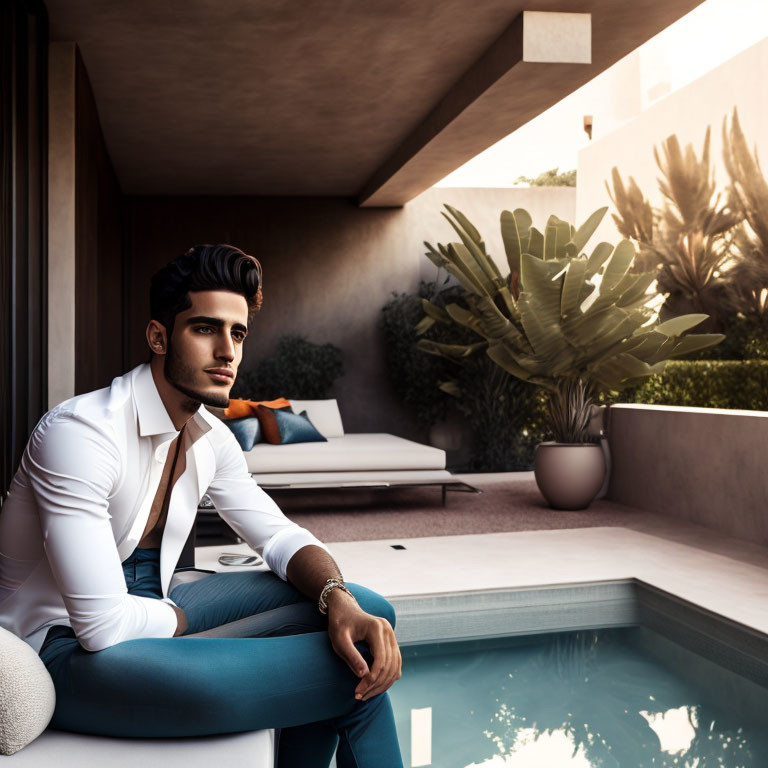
column 284, row 545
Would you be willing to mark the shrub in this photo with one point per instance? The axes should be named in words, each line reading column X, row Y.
column 706, row 384
column 550, row 178
column 507, row 416
column 414, row 375
column 297, row 368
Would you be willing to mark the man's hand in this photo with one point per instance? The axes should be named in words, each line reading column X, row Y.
column 308, row 570
column 349, row 624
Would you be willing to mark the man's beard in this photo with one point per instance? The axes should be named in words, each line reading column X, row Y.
column 177, row 372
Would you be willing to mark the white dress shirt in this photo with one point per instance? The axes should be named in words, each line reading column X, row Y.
column 80, row 500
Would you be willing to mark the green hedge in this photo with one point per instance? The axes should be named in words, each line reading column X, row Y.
column 741, row 384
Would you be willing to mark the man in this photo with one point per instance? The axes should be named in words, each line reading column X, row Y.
column 96, row 518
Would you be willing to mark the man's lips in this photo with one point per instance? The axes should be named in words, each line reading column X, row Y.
column 223, row 375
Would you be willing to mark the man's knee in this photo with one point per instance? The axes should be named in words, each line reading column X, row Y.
column 373, row 603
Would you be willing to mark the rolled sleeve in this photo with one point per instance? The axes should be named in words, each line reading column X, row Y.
column 285, row 544
column 251, row 513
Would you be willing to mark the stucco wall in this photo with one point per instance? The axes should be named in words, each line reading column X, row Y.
column 687, row 113
column 329, row 268
column 704, row 465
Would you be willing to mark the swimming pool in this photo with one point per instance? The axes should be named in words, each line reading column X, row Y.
column 611, row 674
column 618, row 698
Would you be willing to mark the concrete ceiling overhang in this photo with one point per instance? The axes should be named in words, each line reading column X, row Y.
column 371, row 100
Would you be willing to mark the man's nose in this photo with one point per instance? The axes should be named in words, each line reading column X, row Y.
column 225, row 348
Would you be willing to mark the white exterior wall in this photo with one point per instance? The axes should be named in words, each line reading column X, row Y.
column 740, row 82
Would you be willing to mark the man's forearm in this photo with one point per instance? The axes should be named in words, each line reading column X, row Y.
column 309, row 569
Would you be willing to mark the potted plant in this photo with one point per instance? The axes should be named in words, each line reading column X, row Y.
column 577, row 325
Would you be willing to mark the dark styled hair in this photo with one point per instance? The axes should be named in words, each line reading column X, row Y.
column 204, row 268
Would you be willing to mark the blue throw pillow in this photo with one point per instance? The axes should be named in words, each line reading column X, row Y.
column 297, row 428
column 247, row 431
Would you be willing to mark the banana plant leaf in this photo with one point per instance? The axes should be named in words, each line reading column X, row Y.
column 678, row 325
column 501, row 355
column 450, row 387
column 535, row 244
column 494, row 323
column 584, row 232
column 574, row 279
column 637, row 291
column 542, row 328
column 600, row 255
column 618, row 369
column 515, row 233
column 435, row 312
column 694, row 343
column 540, row 278
column 557, row 234
column 476, row 247
column 462, row 260
column 424, row 325
column 617, row 267
column 451, row 351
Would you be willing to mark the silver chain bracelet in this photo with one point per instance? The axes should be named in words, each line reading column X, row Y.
column 330, row 585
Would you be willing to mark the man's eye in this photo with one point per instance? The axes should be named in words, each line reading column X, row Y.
column 238, row 336
column 204, row 329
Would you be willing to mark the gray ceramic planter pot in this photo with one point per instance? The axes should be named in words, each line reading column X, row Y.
column 569, row 475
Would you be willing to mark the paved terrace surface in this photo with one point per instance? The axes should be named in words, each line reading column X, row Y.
column 508, row 550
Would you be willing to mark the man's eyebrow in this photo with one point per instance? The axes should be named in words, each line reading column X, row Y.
column 217, row 321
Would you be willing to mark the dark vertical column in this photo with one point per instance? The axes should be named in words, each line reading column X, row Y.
column 23, row 216
column 98, row 247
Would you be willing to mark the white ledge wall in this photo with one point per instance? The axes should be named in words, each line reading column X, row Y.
column 61, row 222
column 705, row 465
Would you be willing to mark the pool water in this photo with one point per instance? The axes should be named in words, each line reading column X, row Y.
column 620, row 698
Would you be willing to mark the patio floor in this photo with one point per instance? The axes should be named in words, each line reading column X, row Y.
column 520, row 543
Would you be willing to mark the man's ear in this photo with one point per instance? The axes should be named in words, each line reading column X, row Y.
column 157, row 337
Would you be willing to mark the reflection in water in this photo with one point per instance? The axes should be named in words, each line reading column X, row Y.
column 676, row 728
column 577, row 700
column 531, row 748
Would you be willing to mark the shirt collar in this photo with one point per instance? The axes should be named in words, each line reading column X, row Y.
column 152, row 415
column 153, row 418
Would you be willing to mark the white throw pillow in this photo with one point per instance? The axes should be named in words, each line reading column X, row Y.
column 27, row 695
column 324, row 414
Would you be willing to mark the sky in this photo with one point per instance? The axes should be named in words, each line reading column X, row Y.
column 709, row 35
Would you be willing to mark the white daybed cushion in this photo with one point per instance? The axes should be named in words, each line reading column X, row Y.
column 27, row 695
column 324, row 414
column 256, row 749
column 345, row 454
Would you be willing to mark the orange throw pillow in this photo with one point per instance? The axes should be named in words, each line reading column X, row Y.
column 241, row 409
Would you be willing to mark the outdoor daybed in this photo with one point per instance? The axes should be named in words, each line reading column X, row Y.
column 347, row 460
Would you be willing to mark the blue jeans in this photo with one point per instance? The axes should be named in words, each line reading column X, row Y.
column 269, row 664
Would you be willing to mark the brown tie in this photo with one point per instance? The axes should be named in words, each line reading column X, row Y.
column 172, row 471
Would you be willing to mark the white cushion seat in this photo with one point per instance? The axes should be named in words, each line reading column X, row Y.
column 27, row 702
column 348, row 453
column 255, row 749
